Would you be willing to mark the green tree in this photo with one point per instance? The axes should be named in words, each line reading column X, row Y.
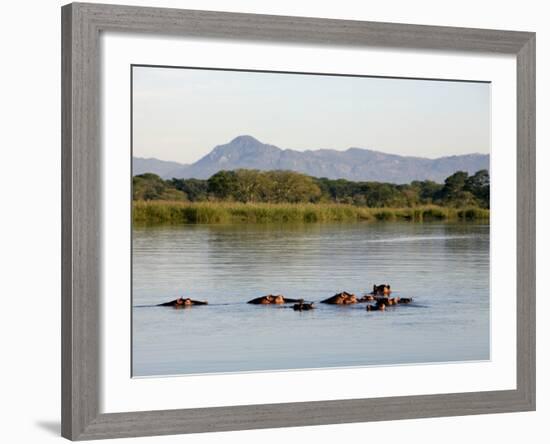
column 247, row 185
column 479, row 186
column 428, row 190
column 381, row 195
column 453, row 187
column 251, row 186
column 223, row 185
column 195, row 189
column 149, row 186
column 289, row 186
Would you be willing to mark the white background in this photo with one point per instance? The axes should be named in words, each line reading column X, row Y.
column 30, row 221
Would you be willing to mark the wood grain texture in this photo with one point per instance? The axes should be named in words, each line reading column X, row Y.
column 81, row 222
column 66, row 224
column 526, row 222
column 81, row 230
column 259, row 27
column 119, row 425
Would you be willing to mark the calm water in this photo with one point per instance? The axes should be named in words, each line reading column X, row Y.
column 444, row 267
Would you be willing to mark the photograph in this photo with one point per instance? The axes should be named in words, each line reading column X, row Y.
column 286, row 221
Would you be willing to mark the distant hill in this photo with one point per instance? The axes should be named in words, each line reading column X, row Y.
column 162, row 168
column 355, row 164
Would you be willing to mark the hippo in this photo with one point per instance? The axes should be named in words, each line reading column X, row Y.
column 382, row 289
column 343, row 298
column 273, row 299
column 366, row 298
column 379, row 306
column 389, row 301
column 301, row 306
column 182, row 302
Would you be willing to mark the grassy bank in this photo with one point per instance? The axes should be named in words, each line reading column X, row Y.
column 167, row 212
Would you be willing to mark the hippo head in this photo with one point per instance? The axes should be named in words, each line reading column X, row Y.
column 279, row 299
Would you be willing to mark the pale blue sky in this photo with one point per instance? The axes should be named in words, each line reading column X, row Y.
column 181, row 114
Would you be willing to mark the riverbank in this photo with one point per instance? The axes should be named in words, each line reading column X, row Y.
column 172, row 212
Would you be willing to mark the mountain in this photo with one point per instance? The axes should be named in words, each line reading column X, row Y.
column 162, row 168
column 355, row 164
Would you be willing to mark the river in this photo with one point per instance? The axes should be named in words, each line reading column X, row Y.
column 444, row 267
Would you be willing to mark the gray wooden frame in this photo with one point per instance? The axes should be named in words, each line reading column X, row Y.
column 81, row 166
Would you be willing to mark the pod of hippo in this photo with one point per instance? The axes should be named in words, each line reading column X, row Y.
column 380, row 295
column 303, row 306
column 384, row 301
column 273, row 299
column 182, row 302
column 381, row 290
column 343, row 298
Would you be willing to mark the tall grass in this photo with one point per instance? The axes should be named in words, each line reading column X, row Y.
column 168, row 212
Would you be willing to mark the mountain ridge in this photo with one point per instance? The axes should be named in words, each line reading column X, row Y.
column 354, row 163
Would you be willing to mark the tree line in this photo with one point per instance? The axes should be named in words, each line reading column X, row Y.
column 244, row 185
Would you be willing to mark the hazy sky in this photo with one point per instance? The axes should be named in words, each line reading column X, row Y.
column 181, row 114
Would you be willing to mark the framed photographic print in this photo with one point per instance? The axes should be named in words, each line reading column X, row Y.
column 278, row 221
